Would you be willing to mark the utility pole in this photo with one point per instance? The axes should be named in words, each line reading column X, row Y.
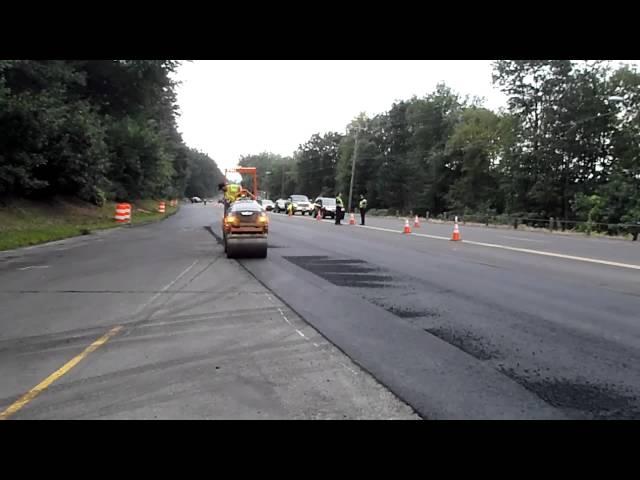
column 282, row 188
column 353, row 170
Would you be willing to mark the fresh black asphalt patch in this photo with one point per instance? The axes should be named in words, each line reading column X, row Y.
column 465, row 341
column 588, row 400
column 343, row 273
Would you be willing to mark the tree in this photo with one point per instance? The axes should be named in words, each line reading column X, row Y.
column 204, row 175
column 316, row 162
column 94, row 129
column 474, row 149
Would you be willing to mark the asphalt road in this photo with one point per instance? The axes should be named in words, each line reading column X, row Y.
column 155, row 322
column 506, row 324
column 337, row 322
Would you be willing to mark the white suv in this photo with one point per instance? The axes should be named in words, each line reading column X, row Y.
column 301, row 204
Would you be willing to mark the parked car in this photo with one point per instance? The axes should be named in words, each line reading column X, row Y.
column 326, row 206
column 196, row 200
column 267, row 204
column 281, row 205
column 301, row 204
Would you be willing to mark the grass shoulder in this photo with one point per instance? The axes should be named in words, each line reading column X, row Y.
column 24, row 222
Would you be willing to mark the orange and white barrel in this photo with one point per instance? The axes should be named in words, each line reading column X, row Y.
column 123, row 213
column 161, row 207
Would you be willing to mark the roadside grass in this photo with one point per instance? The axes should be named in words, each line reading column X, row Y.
column 24, row 223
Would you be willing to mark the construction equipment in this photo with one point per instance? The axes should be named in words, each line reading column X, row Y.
column 246, row 171
column 245, row 224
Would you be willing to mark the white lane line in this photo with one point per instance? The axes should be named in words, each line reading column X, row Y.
column 522, row 239
column 557, row 255
column 517, row 249
column 285, row 317
column 315, row 344
column 168, row 286
column 300, row 333
column 425, row 235
column 34, row 266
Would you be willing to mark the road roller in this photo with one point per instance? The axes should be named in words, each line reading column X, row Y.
column 245, row 228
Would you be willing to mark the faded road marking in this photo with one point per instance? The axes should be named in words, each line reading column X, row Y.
column 167, row 287
column 34, row 266
column 42, row 386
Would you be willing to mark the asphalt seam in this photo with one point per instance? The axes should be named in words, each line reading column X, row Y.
column 362, row 367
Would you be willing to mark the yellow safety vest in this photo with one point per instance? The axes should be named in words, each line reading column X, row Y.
column 232, row 192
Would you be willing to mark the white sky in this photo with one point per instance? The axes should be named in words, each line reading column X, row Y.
column 240, row 107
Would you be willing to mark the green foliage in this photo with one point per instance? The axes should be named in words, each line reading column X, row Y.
column 276, row 174
column 561, row 150
column 204, row 175
column 96, row 130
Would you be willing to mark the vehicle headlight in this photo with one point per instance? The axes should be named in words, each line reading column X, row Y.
column 263, row 219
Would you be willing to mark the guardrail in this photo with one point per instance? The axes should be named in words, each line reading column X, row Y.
column 551, row 224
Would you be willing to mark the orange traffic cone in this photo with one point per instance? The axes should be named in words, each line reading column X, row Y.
column 352, row 220
column 407, row 228
column 456, row 233
column 319, row 216
column 416, row 222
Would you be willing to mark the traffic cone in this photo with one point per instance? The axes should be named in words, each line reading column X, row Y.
column 407, row 228
column 456, row 233
column 319, row 215
column 416, row 222
column 352, row 219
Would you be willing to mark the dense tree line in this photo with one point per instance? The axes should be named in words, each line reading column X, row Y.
column 563, row 148
column 96, row 130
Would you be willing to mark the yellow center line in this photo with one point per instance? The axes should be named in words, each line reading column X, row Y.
column 43, row 385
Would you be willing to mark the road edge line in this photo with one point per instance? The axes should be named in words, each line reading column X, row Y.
column 25, row 399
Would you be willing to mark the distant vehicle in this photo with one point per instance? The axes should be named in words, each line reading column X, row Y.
column 267, row 204
column 301, row 204
column 196, row 200
column 281, row 205
column 326, row 206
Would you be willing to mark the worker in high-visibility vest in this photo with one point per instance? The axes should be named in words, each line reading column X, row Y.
column 231, row 194
column 363, row 208
column 339, row 208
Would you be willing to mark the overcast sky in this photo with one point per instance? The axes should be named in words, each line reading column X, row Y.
column 240, row 107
